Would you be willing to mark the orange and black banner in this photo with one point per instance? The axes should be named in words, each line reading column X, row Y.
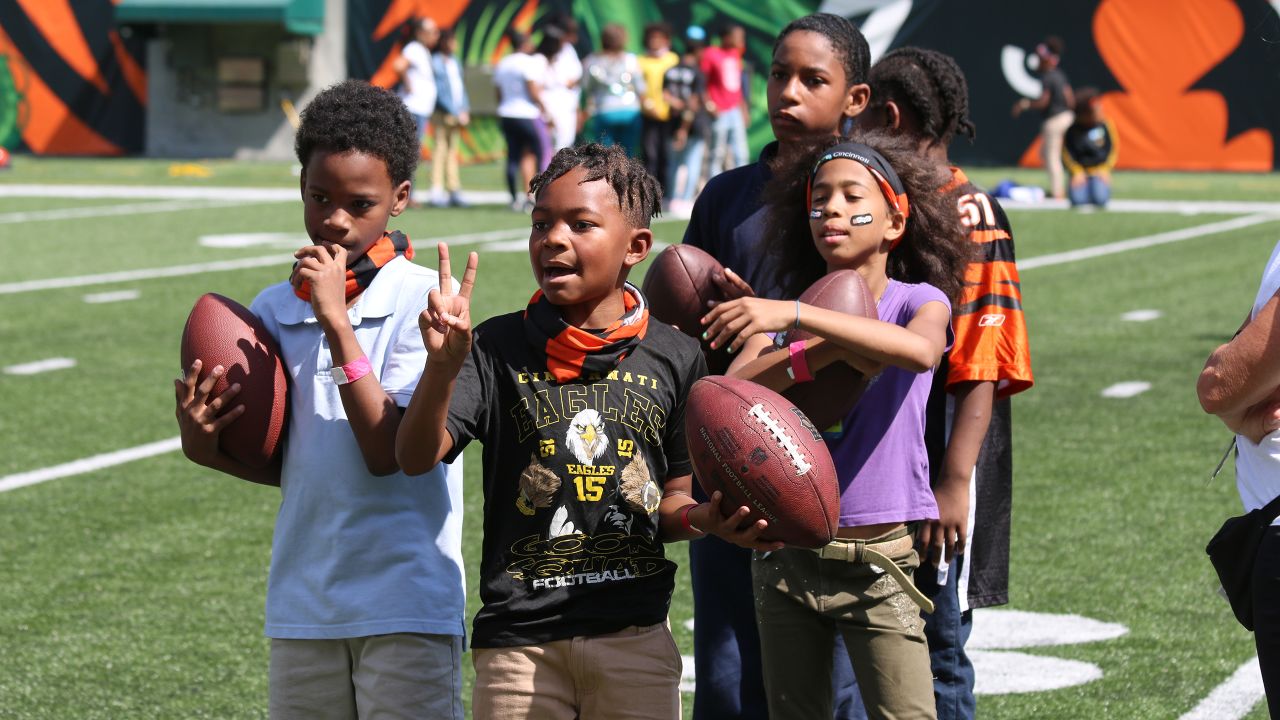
column 70, row 83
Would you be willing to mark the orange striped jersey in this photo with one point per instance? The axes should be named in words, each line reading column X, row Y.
column 990, row 330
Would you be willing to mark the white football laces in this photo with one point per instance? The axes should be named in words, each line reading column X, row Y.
column 781, row 436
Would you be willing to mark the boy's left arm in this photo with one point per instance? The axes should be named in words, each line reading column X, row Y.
column 948, row 535
column 373, row 415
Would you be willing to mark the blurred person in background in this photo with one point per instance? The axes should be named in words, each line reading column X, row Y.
column 1089, row 152
column 655, row 125
column 453, row 112
column 562, row 93
column 726, row 101
column 417, row 79
column 1055, row 103
column 613, row 86
column 518, row 80
column 548, row 48
column 684, row 88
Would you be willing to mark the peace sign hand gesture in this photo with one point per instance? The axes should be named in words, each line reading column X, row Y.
column 446, row 321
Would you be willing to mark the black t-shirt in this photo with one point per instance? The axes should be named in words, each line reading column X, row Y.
column 573, row 474
column 1055, row 81
column 685, row 81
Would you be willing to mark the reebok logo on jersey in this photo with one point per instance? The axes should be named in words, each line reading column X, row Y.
column 991, row 321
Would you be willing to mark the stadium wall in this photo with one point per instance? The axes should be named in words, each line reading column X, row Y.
column 1190, row 84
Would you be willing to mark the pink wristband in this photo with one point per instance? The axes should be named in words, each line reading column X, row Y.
column 352, row 371
column 799, row 370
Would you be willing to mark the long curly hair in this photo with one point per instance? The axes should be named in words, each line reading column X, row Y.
column 934, row 248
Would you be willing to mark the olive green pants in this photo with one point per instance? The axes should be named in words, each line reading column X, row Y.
column 802, row 601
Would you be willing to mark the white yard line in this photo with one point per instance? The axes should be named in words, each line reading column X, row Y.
column 89, row 464
column 79, row 213
column 1146, row 241
column 1234, row 698
column 40, row 366
column 145, row 274
column 110, row 297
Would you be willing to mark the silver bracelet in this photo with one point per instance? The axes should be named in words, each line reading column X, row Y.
column 796, row 326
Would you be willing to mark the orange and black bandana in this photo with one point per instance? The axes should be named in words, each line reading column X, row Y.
column 361, row 274
column 572, row 352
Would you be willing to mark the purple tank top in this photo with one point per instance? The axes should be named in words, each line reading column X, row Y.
column 879, row 451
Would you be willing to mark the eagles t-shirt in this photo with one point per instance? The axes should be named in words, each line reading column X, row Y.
column 573, row 475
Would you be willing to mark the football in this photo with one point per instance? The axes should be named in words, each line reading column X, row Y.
column 678, row 286
column 760, row 451
column 836, row 388
column 220, row 331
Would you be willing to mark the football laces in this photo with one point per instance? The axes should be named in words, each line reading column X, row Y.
column 780, row 436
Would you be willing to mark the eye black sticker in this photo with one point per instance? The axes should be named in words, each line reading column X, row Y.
column 860, row 220
column 815, row 214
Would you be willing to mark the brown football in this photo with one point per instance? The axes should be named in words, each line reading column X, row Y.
column 760, row 451
column 836, row 388
column 220, row 331
column 678, row 286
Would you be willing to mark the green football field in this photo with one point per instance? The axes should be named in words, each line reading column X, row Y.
column 132, row 582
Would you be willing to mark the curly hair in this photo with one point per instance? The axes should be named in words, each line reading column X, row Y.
column 354, row 115
column 932, row 85
column 845, row 38
column 639, row 195
column 934, row 247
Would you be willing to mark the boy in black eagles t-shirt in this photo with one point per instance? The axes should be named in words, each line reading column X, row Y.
column 579, row 401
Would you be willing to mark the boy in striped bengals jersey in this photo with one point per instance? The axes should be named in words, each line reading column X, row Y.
column 923, row 93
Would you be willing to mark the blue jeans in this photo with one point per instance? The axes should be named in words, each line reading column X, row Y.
column 1094, row 190
column 690, row 158
column 726, row 645
column 947, row 631
column 728, row 135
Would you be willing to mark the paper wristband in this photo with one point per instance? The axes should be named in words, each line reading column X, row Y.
column 799, row 370
column 357, row 369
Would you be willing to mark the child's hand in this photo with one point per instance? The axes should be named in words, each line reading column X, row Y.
column 947, row 536
column 731, row 285
column 708, row 518
column 1260, row 420
column 729, row 324
column 325, row 267
column 446, row 321
column 198, row 414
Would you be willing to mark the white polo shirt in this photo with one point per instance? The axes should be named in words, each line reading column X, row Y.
column 1258, row 465
column 353, row 554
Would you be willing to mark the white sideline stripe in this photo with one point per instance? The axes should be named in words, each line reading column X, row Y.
column 110, row 210
column 40, row 366
column 1234, row 698
column 1141, row 315
column 89, row 464
column 1174, row 207
column 1129, row 389
column 147, row 274
column 1145, row 241
column 110, row 297
column 230, row 194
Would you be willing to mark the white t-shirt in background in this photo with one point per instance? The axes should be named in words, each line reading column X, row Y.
column 1258, row 466
column 419, row 93
column 511, row 76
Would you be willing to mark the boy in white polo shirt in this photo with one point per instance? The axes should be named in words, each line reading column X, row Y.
column 365, row 597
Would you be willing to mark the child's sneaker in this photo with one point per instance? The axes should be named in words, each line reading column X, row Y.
column 456, row 200
column 438, row 199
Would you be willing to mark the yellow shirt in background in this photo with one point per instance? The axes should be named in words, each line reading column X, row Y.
column 653, row 68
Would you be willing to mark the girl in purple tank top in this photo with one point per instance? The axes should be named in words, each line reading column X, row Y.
column 871, row 205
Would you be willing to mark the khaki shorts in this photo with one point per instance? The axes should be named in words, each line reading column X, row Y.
column 803, row 600
column 631, row 674
column 405, row 675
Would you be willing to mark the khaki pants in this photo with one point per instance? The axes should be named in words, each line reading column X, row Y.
column 1052, row 130
column 444, row 154
column 802, row 601
column 405, row 675
column 633, row 674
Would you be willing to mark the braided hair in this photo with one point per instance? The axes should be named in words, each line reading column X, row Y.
column 845, row 39
column 354, row 115
column 934, row 249
column 638, row 193
column 932, row 85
